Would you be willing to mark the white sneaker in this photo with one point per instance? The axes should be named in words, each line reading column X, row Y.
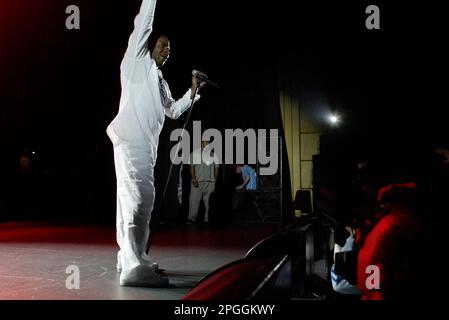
column 119, row 263
column 144, row 276
column 152, row 264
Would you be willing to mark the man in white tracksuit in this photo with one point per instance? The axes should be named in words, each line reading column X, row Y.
column 134, row 132
column 204, row 172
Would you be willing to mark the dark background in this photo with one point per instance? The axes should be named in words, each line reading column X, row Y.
column 60, row 88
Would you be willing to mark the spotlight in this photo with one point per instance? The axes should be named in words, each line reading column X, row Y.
column 334, row 119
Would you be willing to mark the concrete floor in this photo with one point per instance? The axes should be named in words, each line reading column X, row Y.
column 34, row 258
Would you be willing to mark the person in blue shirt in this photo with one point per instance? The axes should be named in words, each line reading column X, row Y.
column 339, row 283
column 249, row 177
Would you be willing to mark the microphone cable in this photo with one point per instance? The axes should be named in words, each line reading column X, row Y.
column 155, row 219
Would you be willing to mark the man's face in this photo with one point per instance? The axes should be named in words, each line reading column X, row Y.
column 161, row 51
column 238, row 169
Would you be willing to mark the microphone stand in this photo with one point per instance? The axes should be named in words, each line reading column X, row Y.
column 155, row 219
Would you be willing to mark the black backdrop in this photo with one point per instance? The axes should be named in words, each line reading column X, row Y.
column 60, row 88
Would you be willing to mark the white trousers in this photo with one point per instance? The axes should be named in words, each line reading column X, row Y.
column 134, row 169
column 203, row 191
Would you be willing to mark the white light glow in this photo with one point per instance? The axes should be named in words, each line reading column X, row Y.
column 334, row 119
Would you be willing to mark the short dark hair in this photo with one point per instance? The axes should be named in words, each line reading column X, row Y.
column 152, row 41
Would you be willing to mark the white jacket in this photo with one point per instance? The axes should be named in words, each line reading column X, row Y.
column 141, row 114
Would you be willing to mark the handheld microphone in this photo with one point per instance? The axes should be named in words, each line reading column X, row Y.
column 201, row 76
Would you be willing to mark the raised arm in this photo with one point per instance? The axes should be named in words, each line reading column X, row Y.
column 143, row 25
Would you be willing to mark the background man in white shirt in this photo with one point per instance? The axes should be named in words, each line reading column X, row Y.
column 204, row 175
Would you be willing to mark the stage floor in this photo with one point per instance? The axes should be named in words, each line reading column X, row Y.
column 35, row 256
